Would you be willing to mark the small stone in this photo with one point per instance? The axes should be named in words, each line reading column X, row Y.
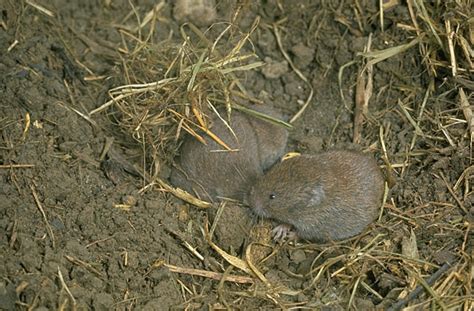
column 129, row 200
column 363, row 304
column 301, row 297
column 303, row 55
column 298, row 256
column 102, row 301
column 183, row 213
column 198, row 12
column 57, row 224
column 274, row 70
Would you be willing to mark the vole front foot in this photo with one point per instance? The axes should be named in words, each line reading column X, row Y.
column 283, row 232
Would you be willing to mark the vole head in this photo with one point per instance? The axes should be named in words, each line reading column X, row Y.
column 286, row 191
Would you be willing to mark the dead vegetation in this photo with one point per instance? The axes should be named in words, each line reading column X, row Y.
column 171, row 88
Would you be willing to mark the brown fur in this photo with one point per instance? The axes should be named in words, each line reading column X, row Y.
column 209, row 174
column 329, row 196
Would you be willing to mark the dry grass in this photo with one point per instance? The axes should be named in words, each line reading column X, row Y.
column 442, row 276
column 173, row 88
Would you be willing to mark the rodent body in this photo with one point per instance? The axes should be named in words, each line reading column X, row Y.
column 330, row 196
column 210, row 172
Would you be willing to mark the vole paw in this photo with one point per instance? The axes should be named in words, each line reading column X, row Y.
column 283, row 232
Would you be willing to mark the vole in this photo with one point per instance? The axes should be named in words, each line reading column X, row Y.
column 333, row 195
column 210, row 172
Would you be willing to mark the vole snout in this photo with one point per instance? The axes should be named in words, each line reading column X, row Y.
column 254, row 201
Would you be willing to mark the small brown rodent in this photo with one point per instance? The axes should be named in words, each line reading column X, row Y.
column 210, row 172
column 329, row 196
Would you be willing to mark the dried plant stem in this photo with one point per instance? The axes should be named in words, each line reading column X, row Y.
column 84, row 264
column 424, row 284
column 10, row 166
column 298, row 73
column 450, row 189
column 207, row 274
column 40, row 208
column 66, row 288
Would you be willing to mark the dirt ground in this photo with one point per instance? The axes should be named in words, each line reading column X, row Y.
column 79, row 233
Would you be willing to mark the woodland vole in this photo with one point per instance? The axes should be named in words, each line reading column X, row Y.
column 329, row 196
column 210, row 172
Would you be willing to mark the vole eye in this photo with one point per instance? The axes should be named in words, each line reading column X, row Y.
column 272, row 196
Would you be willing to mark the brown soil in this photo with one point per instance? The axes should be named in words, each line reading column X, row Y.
column 81, row 232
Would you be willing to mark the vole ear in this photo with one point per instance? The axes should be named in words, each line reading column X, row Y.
column 317, row 195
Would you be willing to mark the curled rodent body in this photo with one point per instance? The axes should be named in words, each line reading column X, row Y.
column 333, row 195
column 211, row 172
